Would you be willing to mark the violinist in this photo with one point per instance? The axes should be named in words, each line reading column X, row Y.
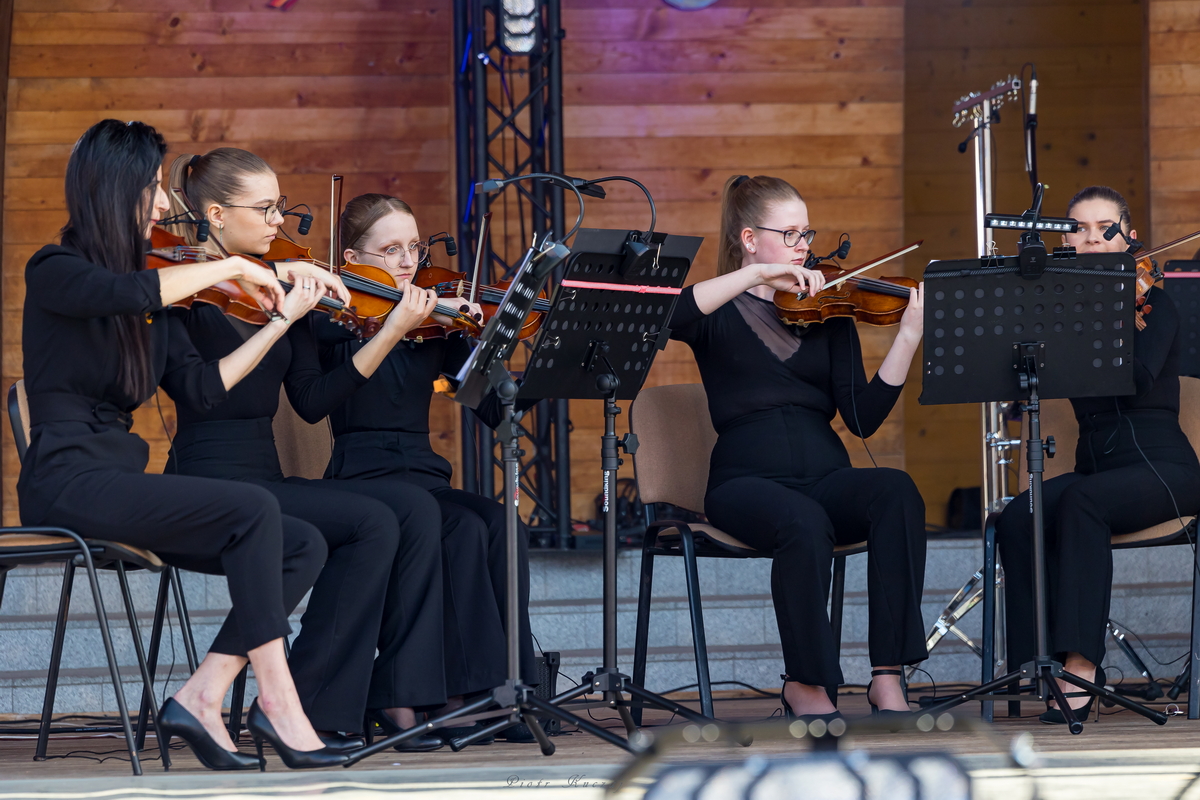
column 780, row 479
column 1134, row 468
column 97, row 341
column 380, row 588
column 381, row 437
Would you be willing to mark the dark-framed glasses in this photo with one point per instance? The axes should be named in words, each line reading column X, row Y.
column 269, row 211
column 792, row 237
column 393, row 257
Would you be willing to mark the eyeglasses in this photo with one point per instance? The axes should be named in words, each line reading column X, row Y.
column 792, row 237
column 269, row 211
column 393, row 257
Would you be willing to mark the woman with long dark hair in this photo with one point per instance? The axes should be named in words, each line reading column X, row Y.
column 380, row 589
column 381, row 440
column 1134, row 468
column 96, row 343
column 780, row 478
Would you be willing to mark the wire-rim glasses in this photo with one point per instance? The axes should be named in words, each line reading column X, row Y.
column 269, row 211
column 393, row 257
column 792, row 237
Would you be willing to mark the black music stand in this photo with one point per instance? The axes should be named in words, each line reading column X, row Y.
column 1039, row 326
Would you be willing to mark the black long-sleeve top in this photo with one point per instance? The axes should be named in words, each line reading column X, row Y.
column 71, row 361
column 742, row 376
column 292, row 362
column 397, row 396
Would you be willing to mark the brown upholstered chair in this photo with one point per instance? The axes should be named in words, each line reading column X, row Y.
column 675, row 439
column 304, row 449
column 48, row 544
column 1058, row 420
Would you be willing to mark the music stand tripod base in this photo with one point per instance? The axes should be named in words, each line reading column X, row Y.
column 996, row 329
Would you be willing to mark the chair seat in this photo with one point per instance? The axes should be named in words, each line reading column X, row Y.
column 668, row 538
column 1163, row 532
column 28, row 545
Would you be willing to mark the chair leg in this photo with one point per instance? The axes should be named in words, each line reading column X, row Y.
column 3, row 582
column 1194, row 681
column 114, row 671
column 236, row 702
column 147, row 679
column 56, row 648
column 699, row 640
column 160, row 611
column 642, row 632
column 185, row 621
column 837, row 603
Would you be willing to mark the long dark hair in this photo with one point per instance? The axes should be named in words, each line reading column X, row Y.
column 109, row 174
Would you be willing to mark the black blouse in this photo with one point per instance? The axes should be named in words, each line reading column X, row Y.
column 71, row 364
column 291, row 362
column 743, row 376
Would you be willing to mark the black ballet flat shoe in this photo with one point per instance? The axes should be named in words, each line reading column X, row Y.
column 1055, row 716
column 790, row 714
column 261, row 729
column 446, row 734
column 337, row 743
column 175, row 720
column 424, row 743
column 887, row 714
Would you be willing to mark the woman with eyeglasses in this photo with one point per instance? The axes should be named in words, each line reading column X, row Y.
column 1134, row 468
column 381, row 437
column 380, row 588
column 780, row 478
column 97, row 341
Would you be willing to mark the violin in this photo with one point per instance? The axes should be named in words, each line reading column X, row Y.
column 231, row 297
column 875, row 301
column 447, row 283
column 374, row 293
column 1149, row 273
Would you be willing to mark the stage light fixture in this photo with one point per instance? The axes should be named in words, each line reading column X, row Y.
column 1025, row 222
column 519, row 26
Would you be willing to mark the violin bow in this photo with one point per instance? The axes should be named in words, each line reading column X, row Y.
column 1152, row 252
column 871, row 265
column 483, row 234
column 335, row 216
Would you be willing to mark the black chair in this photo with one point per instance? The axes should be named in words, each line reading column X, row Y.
column 675, row 439
column 29, row 545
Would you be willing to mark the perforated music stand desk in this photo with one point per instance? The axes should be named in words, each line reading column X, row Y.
column 1181, row 279
column 992, row 334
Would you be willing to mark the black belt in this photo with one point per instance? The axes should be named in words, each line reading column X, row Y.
column 66, row 407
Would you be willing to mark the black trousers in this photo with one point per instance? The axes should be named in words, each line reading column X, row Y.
column 799, row 524
column 379, row 589
column 1081, row 513
column 209, row 526
column 474, row 588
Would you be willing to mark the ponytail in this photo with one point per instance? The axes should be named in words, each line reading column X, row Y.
column 745, row 201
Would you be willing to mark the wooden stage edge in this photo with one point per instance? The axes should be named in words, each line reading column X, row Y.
column 1120, row 756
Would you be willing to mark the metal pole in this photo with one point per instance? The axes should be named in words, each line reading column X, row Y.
column 610, row 460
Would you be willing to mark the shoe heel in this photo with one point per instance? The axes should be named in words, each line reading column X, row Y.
column 262, row 761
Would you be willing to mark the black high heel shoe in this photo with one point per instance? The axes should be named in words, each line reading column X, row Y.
column 175, row 720
column 337, row 743
column 261, row 729
column 1055, row 716
column 790, row 714
column 417, row 744
column 887, row 714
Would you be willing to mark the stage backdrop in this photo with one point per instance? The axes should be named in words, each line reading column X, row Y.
column 810, row 91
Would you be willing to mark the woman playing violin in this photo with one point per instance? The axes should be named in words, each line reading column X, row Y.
column 380, row 587
column 381, row 436
column 780, row 478
column 1134, row 468
column 97, row 341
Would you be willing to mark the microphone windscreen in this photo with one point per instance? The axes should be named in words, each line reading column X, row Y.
column 451, row 247
column 306, row 221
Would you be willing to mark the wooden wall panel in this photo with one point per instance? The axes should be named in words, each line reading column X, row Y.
column 810, row 90
column 1173, row 91
column 1089, row 57
column 360, row 87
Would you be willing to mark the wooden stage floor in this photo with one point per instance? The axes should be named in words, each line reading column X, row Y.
column 1122, row 755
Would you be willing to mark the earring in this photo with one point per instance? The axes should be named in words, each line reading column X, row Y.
column 751, row 249
column 221, row 234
